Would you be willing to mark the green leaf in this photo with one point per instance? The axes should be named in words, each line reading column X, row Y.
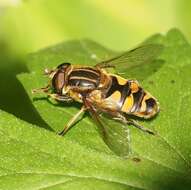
column 36, row 158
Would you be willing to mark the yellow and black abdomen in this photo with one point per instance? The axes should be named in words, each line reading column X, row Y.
column 131, row 98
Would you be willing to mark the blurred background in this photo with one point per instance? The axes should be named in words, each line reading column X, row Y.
column 29, row 25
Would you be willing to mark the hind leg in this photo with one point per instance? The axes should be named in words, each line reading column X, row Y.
column 132, row 122
column 138, row 126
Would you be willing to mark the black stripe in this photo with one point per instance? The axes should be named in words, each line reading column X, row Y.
column 138, row 97
column 125, row 93
column 123, row 89
column 96, row 71
column 85, row 73
column 150, row 104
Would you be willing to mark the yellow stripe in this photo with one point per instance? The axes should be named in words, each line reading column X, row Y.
column 134, row 86
column 121, row 80
column 86, row 69
column 116, row 96
column 127, row 104
column 82, row 78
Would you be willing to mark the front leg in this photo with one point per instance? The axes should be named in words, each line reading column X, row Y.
column 54, row 96
column 60, row 98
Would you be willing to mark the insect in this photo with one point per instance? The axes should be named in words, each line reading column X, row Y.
column 110, row 99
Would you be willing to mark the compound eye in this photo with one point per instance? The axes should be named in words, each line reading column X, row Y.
column 58, row 81
column 63, row 65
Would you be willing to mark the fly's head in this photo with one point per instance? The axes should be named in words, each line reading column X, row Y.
column 58, row 80
column 58, row 77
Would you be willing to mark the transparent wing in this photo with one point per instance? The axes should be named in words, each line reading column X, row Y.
column 133, row 58
column 115, row 134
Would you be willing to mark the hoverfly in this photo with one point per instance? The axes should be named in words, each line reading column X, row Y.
column 110, row 99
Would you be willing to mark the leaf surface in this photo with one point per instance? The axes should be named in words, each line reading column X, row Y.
column 36, row 158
